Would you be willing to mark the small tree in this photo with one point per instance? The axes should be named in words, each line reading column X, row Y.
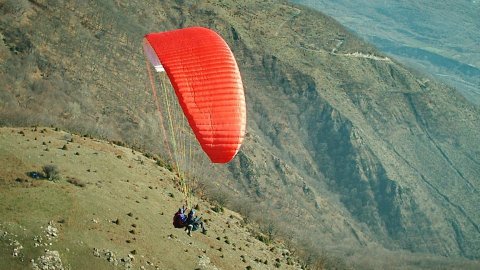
column 51, row 172
column 271, row 230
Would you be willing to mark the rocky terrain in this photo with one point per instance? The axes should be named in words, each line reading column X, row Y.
column 348, row 153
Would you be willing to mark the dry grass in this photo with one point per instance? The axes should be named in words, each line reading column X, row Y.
column 76, row 182
column 112, row 212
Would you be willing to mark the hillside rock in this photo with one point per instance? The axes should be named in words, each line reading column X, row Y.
column 49, row 261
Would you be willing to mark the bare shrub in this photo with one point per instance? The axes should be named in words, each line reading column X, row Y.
column 217, row 208
column 198, row 188
column 246, row 207
column 262, row 238
column 218, row 198
column 51, row 172
column 270, row 229
column 314, row 258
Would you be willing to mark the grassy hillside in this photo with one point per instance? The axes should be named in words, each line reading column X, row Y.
column 347, row 151
column 111, row 208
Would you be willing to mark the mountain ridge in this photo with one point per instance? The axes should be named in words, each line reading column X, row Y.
column 439, row 40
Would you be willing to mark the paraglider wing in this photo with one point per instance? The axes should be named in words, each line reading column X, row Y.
column 207, row 83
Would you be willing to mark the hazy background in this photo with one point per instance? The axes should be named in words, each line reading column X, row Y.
column 437, row 37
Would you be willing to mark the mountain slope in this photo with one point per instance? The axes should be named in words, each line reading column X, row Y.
column 437, row 38
column 346, row 150
column 115, row 214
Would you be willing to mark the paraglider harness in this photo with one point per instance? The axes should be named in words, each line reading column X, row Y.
column 195, row 223
column 191, row 223
column 179, row 219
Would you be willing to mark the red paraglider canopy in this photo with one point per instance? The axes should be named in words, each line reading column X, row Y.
column 207, row 82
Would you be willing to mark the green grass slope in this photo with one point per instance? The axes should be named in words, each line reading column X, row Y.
column 117, row 213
